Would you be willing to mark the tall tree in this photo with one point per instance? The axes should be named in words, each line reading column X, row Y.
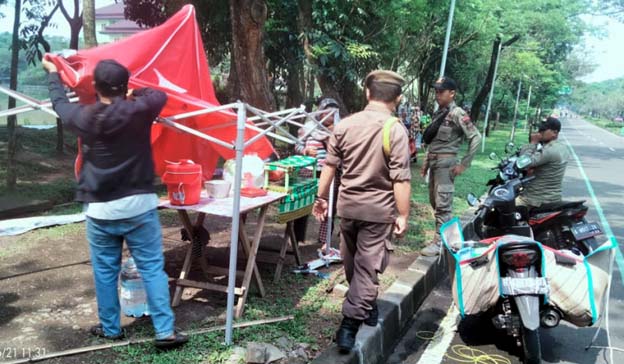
column 248, row 78
column 489, row 79
column 88, row 18
column 75, row 22
column 11, row 176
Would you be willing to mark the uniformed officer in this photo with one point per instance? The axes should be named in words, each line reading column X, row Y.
column 549, row 159
column 449, row 128
column 374, row 195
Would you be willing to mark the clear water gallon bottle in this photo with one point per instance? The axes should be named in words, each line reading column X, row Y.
column 133, row 298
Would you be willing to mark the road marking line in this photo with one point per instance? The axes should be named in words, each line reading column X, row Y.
column 619, row 258
column 437, row 348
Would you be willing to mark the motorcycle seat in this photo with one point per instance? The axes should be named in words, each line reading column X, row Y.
column 518, row 245
column 556, row 206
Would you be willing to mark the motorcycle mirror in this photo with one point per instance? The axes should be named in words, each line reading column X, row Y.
column 523, row 161
column 472, row 200
column 493, row 156
column 510, row 147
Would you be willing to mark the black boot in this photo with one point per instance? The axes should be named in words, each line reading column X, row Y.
column 373, row 316
column 345, row 337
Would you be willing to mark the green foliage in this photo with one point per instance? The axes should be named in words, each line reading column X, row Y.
column 601, row 99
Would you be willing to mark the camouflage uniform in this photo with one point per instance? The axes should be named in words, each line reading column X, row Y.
column 442, row 157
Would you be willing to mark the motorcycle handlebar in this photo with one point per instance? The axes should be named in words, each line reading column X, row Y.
column 527, row 179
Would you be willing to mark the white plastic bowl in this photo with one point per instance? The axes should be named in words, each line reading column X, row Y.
column 218, row 188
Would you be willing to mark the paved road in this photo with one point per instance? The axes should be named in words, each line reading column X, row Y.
column 602, row 157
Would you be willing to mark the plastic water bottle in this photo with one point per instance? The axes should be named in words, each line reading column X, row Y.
column 133, row 296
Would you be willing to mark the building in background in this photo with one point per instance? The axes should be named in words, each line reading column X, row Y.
column 111, row 25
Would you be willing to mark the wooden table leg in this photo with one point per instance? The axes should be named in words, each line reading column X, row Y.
column 251, row 268
column 293, row 242
column 202, row 258
column 282, row 254
column 186, row 221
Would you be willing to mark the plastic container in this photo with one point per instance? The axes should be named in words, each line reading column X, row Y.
column 184, row 182
column 133, row 298
column 218, row 188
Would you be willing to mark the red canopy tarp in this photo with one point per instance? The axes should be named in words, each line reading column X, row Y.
column 171, row 58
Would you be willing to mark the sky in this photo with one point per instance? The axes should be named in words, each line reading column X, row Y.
column 606, row 51
column 62, row 27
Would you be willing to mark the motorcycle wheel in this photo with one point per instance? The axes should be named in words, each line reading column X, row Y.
column 531, row 346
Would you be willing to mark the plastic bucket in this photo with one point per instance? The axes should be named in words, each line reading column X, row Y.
column 184, row 182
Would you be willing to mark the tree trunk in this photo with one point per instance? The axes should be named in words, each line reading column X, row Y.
column 88, row 18
column 11, row 176
column 294, row 85
column 311, row 83
column 75, row 23
column 248, row 66
column 496, row 121
column 489, row 79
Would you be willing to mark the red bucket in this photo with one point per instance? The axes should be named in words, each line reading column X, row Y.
column 184, row 182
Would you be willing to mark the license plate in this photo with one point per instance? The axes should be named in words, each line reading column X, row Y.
column 586, row 230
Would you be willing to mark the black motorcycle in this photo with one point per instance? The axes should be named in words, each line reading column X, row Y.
column 560, row 225
column 521, row 309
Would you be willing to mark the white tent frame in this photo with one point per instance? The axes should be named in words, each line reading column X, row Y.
column 272, row 120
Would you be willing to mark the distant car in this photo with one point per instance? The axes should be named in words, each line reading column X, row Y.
column 618, row 119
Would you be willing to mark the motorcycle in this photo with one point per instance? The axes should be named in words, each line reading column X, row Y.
column 521, row 309
column 560, row 225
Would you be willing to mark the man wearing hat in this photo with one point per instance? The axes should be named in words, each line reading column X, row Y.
column 374, row 196
column 116, row 185
column 549, row 159
column 451, row 125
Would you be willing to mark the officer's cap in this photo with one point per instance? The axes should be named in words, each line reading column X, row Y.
column 384, row 76
column 445, row 83
column 111, row 74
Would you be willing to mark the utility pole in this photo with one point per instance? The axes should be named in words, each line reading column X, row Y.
column 489, row 105
column 513, row 126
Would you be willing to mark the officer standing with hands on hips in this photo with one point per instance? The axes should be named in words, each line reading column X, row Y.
column 446, row 133
column 374, row 196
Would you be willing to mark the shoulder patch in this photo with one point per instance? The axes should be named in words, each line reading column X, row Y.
column 467, row 122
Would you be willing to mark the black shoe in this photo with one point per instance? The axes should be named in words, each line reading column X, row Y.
column 171, row 343
column 98, row 331
column 373, row 316
column 345, row 337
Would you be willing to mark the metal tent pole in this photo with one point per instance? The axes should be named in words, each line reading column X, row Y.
column 240, row 140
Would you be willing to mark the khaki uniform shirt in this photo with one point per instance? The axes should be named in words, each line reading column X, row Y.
column 456, row 128
column 549, row 168
column 366, row 192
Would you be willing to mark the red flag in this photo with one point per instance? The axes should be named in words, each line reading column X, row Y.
column 171, row 58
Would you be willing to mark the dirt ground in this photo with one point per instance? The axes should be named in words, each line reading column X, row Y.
column 47, row 298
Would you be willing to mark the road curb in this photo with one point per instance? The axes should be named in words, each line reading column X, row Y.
column 396, row 307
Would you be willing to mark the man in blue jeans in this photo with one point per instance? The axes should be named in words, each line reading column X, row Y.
column 115, row 183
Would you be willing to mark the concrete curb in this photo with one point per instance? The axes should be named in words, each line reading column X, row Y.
column 396, row 307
